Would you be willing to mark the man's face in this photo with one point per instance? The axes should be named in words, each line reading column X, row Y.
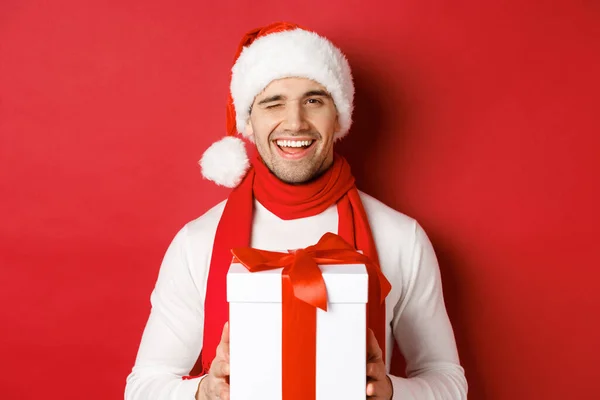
column 293, row 122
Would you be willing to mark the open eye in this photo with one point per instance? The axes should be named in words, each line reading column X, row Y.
column 314, row 101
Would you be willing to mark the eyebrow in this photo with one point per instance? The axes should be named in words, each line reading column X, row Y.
column 279, row 97
column 271, row 99
column 317, row 93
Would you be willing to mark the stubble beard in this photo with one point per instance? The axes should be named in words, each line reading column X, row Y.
column 294, row 172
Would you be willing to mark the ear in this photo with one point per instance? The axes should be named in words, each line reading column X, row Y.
column 248, row 130
column 337, row 124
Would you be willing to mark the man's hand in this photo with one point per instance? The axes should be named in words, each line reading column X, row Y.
column 215, row 386
column 379, row 385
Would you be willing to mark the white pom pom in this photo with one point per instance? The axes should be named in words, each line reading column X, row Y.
column 225, row 162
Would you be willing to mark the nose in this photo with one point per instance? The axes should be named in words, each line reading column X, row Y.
column 295, row 119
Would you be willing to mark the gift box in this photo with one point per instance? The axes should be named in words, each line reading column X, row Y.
column 265, row 328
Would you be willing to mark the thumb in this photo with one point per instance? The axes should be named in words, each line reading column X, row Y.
column 225, row 338
column 373, row 349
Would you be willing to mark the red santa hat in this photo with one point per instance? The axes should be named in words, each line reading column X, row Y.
column 280, row 50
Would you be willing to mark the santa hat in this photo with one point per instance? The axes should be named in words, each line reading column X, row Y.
column 280, row 50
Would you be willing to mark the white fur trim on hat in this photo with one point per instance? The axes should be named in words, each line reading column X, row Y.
column 225, row 162
column 292, row 53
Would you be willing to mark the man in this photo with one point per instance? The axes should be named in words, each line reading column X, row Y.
column 292, row 95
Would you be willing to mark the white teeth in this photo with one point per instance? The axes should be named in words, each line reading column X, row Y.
column 294, row 143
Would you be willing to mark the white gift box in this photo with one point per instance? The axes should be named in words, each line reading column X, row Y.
column 255, row 334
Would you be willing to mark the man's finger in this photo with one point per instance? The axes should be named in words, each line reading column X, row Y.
column 220, row 368
column 225, row 334
column 224, row 369
column 373, row 349
column 225, row 339
column 222, row 352
column 371, row 389
column 375, row 370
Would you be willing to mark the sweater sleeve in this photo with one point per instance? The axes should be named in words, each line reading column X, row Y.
column 172, row 338
column 423, row 332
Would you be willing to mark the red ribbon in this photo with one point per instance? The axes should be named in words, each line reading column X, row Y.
column 303, row 291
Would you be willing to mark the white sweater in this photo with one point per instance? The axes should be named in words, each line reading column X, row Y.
column 415, row 309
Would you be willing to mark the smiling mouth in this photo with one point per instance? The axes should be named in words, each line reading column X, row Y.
column 294, row 149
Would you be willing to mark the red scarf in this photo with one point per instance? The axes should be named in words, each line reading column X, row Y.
column 335, row 186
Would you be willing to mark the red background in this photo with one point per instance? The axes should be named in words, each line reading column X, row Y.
column 477, row 118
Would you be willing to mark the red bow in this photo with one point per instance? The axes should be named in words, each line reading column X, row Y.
column 303, row 291
column 301, row 266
